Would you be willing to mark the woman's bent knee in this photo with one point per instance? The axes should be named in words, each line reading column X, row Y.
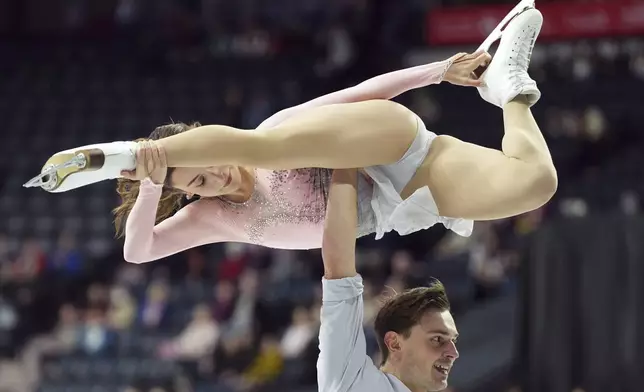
column 545, row 183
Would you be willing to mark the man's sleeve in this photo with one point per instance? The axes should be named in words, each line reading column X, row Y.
column 343, row 350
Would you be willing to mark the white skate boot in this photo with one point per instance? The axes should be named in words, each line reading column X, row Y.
column 507, row 75
column 71, row 169
column 500, row 28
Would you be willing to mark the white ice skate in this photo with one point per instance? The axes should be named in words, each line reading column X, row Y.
column 71, row 169
column 498, row 31
column 507, row 75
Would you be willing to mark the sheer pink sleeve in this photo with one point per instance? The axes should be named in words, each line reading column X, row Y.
column 386, row 86
column 190, row 227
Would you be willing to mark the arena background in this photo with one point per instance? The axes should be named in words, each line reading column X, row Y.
column 549, row 301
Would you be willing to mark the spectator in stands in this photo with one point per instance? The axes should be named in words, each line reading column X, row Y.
column 98, row 296
column 234, row 261
column 371, row 303
column 30, row 261
column 61, row 340
column 144, row 385
column 66, row 258
column 232, row 356
column 154, row 309
column 197, row 340
column 298, row 335
column 8, row 315
column 244, row 317
column 6, row 264
column 453, row 245
column 488, row 265
column 224, row 304
column 401, row 263
column 406, row 269
column 595, row 124
column 129, row 275
column 198, row 270
column 8, row 322
column 122, row 310
column 637, row 66
column 96, row 337
column 528, row 223
column 266, row 366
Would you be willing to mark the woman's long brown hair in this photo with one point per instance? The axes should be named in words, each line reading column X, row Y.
column 128, row 190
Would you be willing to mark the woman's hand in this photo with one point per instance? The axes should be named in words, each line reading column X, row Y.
column 150, row 162
column 462, row 72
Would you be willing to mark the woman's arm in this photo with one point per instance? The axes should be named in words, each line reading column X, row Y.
column 146, row 242
column 386, row 86
column 334, row 136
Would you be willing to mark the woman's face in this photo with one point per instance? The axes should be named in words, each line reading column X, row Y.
column 207, row 182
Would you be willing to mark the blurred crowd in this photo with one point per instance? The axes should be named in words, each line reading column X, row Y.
column 242, row 319
column 233, row 317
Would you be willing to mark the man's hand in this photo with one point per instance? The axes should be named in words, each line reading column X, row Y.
column 462, row 71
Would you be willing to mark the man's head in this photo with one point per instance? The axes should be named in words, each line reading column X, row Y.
column 417, row 336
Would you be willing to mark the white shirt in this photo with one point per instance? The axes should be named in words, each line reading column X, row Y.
column 343, row 364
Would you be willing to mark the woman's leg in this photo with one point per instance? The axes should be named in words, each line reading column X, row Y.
column 359, row 134
column 478, row 183
column 342, row 136
column 472, row 182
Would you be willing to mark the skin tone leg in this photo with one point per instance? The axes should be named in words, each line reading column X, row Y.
column 479, row 183
column 466, row 180
column 335, row 136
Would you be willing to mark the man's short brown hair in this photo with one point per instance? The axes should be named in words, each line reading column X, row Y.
column 402, row 311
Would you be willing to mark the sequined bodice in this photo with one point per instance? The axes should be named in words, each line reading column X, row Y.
column 287, row 209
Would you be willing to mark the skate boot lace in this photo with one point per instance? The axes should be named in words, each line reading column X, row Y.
column 519, row 61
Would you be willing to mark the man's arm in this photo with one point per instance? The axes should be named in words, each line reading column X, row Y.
column 340, row 226
column 343, row 363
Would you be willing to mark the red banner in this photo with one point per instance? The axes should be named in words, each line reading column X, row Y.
column 471, row 24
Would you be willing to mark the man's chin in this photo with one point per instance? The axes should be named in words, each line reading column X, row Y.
column 437, row 385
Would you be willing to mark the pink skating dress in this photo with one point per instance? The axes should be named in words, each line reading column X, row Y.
column 287, row 208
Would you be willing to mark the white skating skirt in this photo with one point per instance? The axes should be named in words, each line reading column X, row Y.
column 381, row 209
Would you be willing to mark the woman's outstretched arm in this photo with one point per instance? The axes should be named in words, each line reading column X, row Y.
column 393, row 84
column 386, row 86
column 335, row 136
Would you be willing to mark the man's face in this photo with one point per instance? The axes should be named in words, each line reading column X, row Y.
column 430, row 351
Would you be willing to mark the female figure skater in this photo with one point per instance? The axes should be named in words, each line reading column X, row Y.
column 253, row 190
